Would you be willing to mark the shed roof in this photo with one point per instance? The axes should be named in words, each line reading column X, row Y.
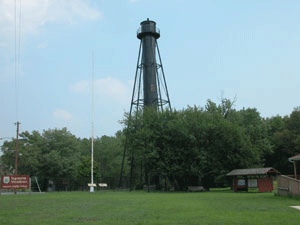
column 253, row 171
column 294, row 158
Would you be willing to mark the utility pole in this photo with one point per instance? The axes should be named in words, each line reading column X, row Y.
column 17, row 148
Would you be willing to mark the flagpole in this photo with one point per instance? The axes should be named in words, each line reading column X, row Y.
column 92, row 117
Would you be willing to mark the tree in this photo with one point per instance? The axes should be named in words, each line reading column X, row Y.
column 59, row 154
column 84, row 168
column 108, row 152
column 284, row 135
column 28, row 153
column 54, row 154
column 188, row 144
column 255, row 127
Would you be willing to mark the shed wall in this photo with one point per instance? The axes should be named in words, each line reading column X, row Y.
column 265, row 184
column 238, row 188
column 288, row 186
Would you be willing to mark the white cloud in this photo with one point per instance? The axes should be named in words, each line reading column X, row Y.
column 62, row 114
column 3, row 44
column 44, row 44
column 131, row 83
column 63, row 118
column 112, row 87
column 106, row 87
column 133, row 1
column 81, row 86
column 36, row 13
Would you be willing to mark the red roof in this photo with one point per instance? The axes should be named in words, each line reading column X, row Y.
column 295, row 158
column 252, row 171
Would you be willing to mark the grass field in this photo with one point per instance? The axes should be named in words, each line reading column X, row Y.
column 109, row 207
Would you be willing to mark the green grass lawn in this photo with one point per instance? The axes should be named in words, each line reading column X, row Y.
column 109, row 207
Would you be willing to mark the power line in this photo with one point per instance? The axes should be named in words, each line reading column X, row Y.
column 17, row 51
column 19, row 55
column 16, row 72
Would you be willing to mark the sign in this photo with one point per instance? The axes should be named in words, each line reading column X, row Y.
column 15, row 182
column 241, row 182
column 252, row 183
column 92, row 185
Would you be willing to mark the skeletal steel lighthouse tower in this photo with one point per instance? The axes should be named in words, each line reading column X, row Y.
column 149, row 72
column 150, row 88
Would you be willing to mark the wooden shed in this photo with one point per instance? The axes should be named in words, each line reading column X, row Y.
column 260, row 178
column 294, row 160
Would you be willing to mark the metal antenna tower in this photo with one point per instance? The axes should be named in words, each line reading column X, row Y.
column 150, row 73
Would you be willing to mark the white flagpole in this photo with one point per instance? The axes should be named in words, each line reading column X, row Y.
column 92, row 117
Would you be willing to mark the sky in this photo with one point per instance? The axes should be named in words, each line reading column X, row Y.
column 248, row 50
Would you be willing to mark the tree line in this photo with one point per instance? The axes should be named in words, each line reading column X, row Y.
column 192, row 146
column 57, row 154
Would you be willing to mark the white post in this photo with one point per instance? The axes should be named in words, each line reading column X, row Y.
column 92, row 164
column 37, row 184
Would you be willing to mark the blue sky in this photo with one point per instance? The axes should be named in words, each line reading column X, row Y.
column 209, row 49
